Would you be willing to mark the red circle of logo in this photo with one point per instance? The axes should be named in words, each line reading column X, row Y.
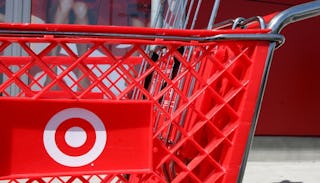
column 60, row 137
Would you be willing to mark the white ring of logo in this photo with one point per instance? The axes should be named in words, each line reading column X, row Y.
column 74, row 161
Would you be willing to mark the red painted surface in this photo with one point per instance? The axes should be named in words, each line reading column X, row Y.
column 291, row 101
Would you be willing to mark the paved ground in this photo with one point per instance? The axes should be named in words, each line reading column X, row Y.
column 284, row 160
column 282, row 172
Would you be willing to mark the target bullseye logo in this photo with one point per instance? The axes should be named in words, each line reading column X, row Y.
column 74, row 137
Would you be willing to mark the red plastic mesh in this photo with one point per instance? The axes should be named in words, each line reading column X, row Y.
column 203, row 93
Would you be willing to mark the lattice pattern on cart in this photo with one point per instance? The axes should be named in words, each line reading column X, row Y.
column 199, row 92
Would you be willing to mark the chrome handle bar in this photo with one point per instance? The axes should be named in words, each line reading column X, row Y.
column 294, row 14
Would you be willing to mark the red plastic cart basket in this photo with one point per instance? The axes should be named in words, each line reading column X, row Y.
column 140, row 105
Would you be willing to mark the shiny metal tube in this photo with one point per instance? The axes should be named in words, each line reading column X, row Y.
column 294, row 14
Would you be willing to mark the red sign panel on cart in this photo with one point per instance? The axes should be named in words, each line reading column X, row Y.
column 47, row 137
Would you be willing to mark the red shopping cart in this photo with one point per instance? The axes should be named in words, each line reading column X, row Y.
column 174, row 106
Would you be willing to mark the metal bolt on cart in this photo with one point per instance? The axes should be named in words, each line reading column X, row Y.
column 179, row 105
